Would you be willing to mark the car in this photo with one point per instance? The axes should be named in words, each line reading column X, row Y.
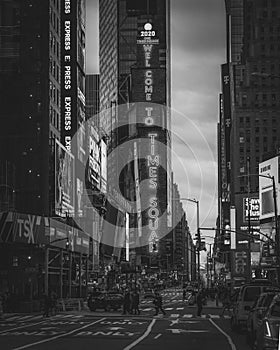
column 114, row 300
column 97, row 300
column 245, row 300
column 267, row 334
column 256, row 314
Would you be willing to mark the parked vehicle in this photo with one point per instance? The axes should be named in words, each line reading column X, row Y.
column 96, row 300
column 267, row 334
column 257, row 313
column 246, row 297
column 105, row 300
column 114, row 300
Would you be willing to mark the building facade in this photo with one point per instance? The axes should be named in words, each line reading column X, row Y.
column 249, row 106
column 42, row 82
column 124, row 69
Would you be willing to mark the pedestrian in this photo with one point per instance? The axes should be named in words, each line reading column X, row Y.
column 158, row 304
column 126, row 302
column 53, row 303
column 184, row 294
column 135, row 303
column 47, row 305
column 217, row 297
column 199, row 302
column 226, row 302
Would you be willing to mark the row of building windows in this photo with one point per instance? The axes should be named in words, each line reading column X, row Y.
column 54, row 45
column 257, row 121
column 54, row 21
column 54, row 94
column 54, row 69
column 55, row 118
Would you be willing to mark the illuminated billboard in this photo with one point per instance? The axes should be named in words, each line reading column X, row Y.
column 267, row 171
column 254, row 213
column 148, row 85
column 64, row 180
column 72, row 73
column 93, row 169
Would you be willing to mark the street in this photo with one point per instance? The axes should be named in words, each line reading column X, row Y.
column 180, row 328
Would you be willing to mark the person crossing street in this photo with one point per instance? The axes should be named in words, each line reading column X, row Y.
column 158, row 304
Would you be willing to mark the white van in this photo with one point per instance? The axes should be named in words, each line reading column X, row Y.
column 245, row 300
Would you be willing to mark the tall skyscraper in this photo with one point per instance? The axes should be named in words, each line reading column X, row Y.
column 135, row 69
column 42, row 105
column 30, row 100
column 249, row 122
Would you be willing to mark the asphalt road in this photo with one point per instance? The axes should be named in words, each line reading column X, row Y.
column 179, row 329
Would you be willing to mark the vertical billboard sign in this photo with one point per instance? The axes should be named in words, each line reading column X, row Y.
column 226, row 126
column 103, row 166
column 68, row 73
column 267, row 171
column 64, row 180
column 225, row 197
column 94, row 155
column 149, row 86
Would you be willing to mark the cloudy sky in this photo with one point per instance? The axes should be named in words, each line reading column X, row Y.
column 197, row 51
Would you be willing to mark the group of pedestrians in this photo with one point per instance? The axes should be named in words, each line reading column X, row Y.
column 131, row 302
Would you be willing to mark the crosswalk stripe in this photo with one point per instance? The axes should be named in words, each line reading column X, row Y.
column 66, row 316
column 36, row 317
column 175, row 315
column 203, row 316
column 24, row 317
column 149, row 309
column 169, row 308
column 188, row 316
column 214, row 316
column 227, row 317
column 11, row 318
column 179, row 308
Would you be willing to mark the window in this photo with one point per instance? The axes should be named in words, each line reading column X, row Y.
column 275, row 310
column 251, row 293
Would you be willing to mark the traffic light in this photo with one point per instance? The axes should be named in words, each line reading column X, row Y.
column 198, row 240
column 67, row 244
column 227, row 235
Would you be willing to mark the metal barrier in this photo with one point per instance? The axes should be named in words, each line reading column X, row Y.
column 73, row 304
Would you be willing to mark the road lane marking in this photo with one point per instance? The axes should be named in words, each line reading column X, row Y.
column 23, row 326
column 233, row 347
column 214, row 316
column 169, row 308
column 143, row 336
column 149, row 309
column 175, row 315
column 180, row 308
column 58, row 336
column 157, row 336
column 188, row 316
